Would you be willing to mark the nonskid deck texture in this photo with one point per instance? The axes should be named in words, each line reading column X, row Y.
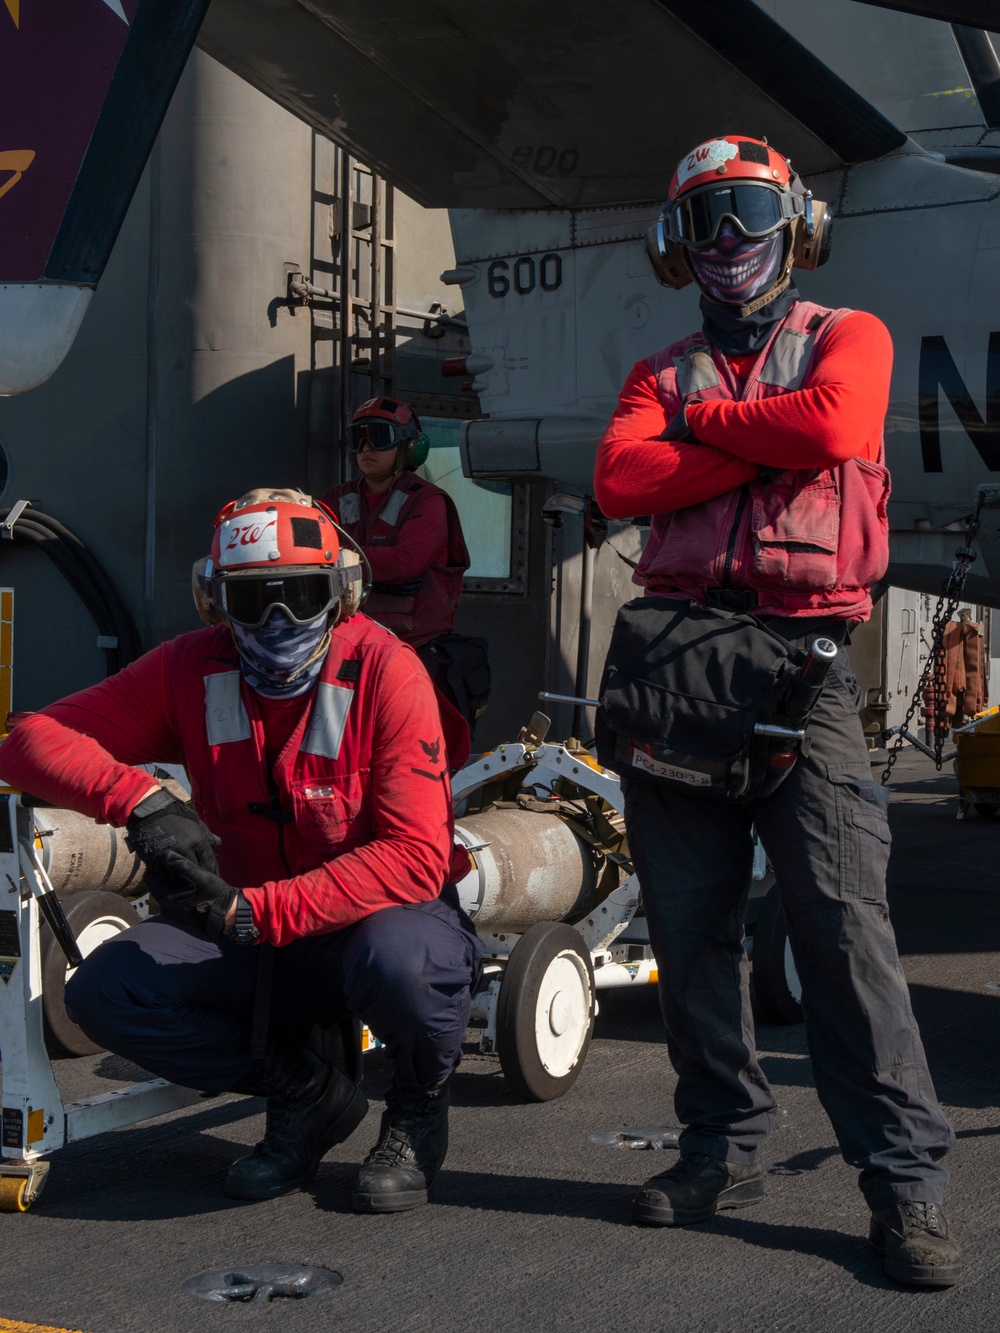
column 530, row 1227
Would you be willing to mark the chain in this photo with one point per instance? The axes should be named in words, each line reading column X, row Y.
column 931, row 685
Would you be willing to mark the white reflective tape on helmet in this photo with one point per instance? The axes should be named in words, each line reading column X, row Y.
column 249, row 539
column 713, row 153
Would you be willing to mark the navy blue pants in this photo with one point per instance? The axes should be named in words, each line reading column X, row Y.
column 181, row 1006
column 826, row 834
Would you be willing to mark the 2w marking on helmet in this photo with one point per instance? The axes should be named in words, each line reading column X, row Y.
column 716, row 153
column 250, row 535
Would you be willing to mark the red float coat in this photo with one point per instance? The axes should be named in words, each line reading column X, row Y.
column 360, row 771
column 413, row 539
column 810, row 536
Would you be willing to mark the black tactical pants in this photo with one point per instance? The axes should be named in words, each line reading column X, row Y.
column 826, row 833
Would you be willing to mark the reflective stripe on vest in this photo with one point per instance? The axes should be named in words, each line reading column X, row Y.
column 390, row 511
column 695, row 371
column 788, row 359
column 349, row 507
column 329, row 719
column 225, row 717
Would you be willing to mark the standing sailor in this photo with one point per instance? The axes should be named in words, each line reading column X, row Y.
column 756, row 444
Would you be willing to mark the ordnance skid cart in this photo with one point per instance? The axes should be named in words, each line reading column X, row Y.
column 550, row 888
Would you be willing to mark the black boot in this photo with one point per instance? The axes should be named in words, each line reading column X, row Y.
column 412, row 1144
column 311, row 1106
column 695, row 1189
column 916, row 1244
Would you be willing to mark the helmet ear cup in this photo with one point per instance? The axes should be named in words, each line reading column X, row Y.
column 666, row 259
column 208, row 612
column 810, row 252
column 417, row 451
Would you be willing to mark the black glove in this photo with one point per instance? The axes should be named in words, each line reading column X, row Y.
column 188, row 895
column 161, row 823
column 679, row 430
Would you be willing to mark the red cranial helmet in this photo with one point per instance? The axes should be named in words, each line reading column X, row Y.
column 275, row 549
column 386, row 423
column 734, row 158
column 270, row 533
column 744, row 182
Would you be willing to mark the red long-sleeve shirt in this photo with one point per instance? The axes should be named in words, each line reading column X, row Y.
column 838, row 415
column 81, row 754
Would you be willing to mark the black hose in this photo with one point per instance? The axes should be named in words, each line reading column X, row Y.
column 79, row 567
column 128, row 634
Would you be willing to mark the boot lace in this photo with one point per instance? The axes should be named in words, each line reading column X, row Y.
column 918, row 1216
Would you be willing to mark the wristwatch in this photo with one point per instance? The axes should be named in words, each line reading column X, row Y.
column 243, row 930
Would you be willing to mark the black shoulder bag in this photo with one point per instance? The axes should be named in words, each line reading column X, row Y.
column 705, row 701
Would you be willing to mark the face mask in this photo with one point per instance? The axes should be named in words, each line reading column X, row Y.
column 280, row 659
column 736, row 270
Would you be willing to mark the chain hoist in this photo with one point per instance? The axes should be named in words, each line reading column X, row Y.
column 931, row 687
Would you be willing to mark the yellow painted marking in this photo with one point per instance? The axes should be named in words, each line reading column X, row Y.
column 36, row 1125
column 17, row 160
column 15, row 1325
column 15, row 11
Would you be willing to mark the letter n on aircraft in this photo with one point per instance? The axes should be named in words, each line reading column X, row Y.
column 938, row 371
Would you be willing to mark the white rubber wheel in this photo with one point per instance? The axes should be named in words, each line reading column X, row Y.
column 775, row 975
column 545, row 1012
column 93, row 918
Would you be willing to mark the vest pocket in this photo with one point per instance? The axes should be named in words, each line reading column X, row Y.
column 795, row 524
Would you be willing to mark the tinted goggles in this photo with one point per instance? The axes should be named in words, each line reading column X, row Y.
column 757, row 210
column 381, row 435
column 303, row 597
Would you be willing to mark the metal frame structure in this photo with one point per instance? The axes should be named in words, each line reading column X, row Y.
column 35, row 1120
column 543, row 766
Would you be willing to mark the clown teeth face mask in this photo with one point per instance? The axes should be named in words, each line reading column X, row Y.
column 736, row 269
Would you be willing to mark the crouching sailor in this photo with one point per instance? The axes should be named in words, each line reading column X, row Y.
column 307, row 888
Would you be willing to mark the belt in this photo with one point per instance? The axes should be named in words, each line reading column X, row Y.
column 811, row 627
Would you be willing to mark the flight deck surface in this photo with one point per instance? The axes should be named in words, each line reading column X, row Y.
column 530, row 1225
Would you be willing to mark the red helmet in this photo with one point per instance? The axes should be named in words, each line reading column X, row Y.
column 386, row 423
column 734, row 158
column 270, row 551
column 253, row 534
column 746, row 182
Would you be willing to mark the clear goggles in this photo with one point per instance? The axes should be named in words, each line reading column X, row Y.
column 756, row 210
column 249, row 600
column 381, row 435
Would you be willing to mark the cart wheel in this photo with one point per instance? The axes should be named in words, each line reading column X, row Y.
column 13, row 1195
column 93, row 918
column 775, row 976
column 985, row 809
column 21, row 1184
column 545, row 1011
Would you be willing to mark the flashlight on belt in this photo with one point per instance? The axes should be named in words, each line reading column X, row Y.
column 811, row 678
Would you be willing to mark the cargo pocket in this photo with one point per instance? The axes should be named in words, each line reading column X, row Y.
column 796, row 530
column 863, row 826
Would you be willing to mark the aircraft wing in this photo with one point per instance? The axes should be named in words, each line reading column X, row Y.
column 84, row 85
column 568, row 103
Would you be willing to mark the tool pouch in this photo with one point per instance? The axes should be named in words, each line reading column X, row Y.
column 683, row 688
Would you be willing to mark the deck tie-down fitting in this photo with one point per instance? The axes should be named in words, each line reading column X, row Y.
column 263, row 1283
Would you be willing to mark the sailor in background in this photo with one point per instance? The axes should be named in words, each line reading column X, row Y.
column 411, row 535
